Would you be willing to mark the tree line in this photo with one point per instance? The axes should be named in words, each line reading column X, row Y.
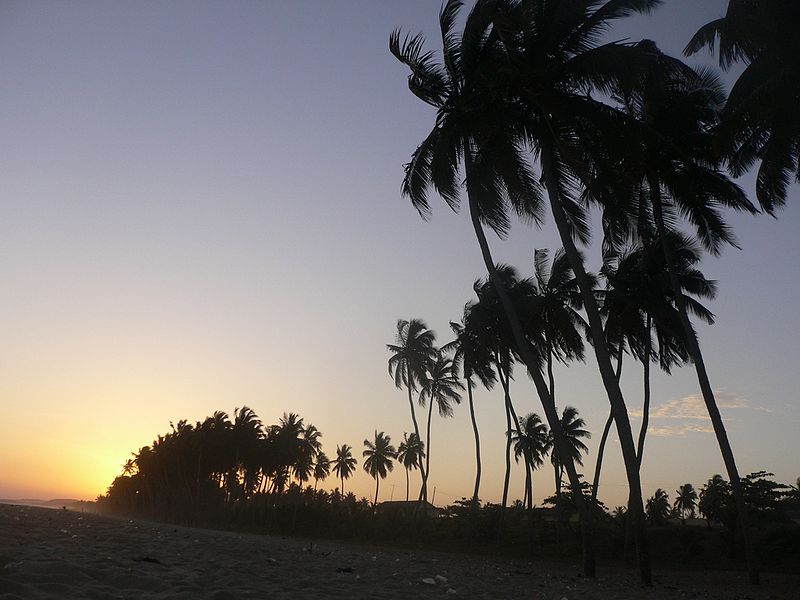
column 534, row 112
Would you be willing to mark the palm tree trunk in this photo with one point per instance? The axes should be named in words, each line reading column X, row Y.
column 529, row 358
column 646, row 403
column 477, row 444
column 406, row 470
column 377, row 483
column 428, row 445
column 507, row 402
column 708, row 393
column 601, row 448
column 423, row 492
column 553, row 185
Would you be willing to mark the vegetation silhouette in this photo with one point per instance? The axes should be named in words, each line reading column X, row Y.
column 533, row 111
column 535, row 114
column 248, row 478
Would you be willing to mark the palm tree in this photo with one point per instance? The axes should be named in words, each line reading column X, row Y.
column 409, row 454
column 484, row 128
column 534, row 442
column 686, row 501
column 760, row 119
column 559, row 300
column 344, row 464
column 412, row 351
column 472, row 353
column 573, row 427
column 488, row 317
column 638, row 303
column 439, row 387
column 670, row 166
column 322, row 468
column 378, row 459
column 556, row 62
column 658, row 507
column 129, row 468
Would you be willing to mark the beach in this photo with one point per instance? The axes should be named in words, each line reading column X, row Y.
column 48, row 553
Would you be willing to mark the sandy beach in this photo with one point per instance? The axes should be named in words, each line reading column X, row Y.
column 62, row 554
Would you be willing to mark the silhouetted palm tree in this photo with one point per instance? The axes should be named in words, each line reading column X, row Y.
column 686, row 500
column 439, row 387
column 344, row 464
column 378, row 459
column 670, row 164
column 411, row 353
column 488, row 317
column 760, row 118
column 322, row 468
column 658, row 507
column 409, row 454
column 480, row 125
column 129, row 468
column 534, row 442
column 573, row 427
column 638, row 303
column 556, row 62
column 472, row 353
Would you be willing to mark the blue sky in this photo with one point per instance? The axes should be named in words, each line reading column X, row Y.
column 201, row 209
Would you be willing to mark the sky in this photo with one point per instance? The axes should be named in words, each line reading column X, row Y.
column 201, row 210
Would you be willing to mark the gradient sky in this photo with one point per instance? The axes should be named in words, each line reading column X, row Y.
column 201, row 210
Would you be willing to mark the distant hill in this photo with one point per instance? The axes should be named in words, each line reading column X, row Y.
column 69, row 503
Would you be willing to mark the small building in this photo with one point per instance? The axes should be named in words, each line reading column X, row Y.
column 408, row 507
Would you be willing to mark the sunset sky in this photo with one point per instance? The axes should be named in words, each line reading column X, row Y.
column 201, row 210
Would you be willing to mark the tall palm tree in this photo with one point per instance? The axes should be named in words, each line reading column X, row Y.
column 485, row 129
column 534, row 442
column 557, row 62
column 410, row 355
column 439, row 387
column 322, row 468
column 488, row 317
column 378, row 459
column 573, row 427
column 638, row 304
column 669, row 162
column 472, row 353
column 760, row 118
column 344, row 464
column 686, row 500
column 409, row 454
column 559, row 300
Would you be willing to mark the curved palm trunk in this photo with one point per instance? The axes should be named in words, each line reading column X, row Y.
column 475, row 492
column 423, row 492
column 507, row 403
column 532, row 365
column 601, row 448
column 525, row 455
column 708, row 393
column 646, row 403
column 377, row 483
column 603, row 357
column 406, row 470
column 428, row 447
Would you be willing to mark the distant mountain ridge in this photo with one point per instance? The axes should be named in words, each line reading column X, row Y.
column 55, row 503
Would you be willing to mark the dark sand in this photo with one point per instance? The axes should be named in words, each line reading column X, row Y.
column 61, row 554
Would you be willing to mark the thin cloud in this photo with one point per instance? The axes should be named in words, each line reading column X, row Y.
column 692, row 411
column 679, row 430
column 693, row 408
